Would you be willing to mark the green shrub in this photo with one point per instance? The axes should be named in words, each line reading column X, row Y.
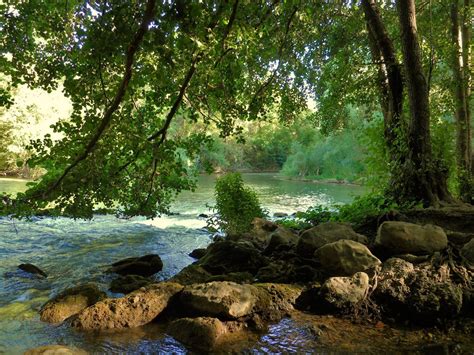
column 236, row 205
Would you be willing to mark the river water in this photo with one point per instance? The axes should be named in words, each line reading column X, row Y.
column 77, row 251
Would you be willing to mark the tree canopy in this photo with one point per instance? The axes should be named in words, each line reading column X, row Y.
column 134, row 71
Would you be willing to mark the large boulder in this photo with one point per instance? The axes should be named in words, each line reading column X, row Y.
column 135, row 309
column 201, row 333
column 144, row 266
column 393, row 288
column 432, row 300
column 325, row 233
column 261, row 231
column 467, row 251
column 345, row 258
column 273, row 302
column 342, row 294
column 227, row 300
column 408, row 238
column 70, row 302
column 228, row 256
column 55, row 350
column 191, row 274
column 421, row 293
column 281, row 237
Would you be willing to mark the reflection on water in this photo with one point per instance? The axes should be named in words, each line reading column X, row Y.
column 76, row 251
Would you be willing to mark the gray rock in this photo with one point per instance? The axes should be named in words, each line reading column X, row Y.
column 324, row 233
column 146, row 265
column 129, row 283
column 393, row 288
column 198, row 253
column 345, row 258
column 409, row 238
column 231, row 256
column 219, row 299
column 281, row 237
column 467, row 251
column 133, row 310
column 280, row 214
column 344, row 293
column 191, row 274
column 70, row 302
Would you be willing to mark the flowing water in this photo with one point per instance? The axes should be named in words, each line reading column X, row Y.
column 77, row 251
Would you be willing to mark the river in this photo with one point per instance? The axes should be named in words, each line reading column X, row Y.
column 76, row 251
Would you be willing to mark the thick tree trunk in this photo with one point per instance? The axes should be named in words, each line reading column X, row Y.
column 423, row 179
column 390, row 79
column 460, row 36
column 466, row 50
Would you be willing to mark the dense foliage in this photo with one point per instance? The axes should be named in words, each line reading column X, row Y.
column 137, row 74
column 236, row 205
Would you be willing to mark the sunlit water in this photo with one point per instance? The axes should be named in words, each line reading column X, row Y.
column 77, row 251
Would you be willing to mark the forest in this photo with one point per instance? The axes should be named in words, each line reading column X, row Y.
column 120, row 107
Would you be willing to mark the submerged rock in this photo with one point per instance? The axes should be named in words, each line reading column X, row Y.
column 144, row 266
column 129, row 283
column 32, row 269
column 137, row 308
column 55, row 350
column 345, row 258
column 219, row 299
column 325, row 233
column 202, row 333
column 343, row 293
column 408, row 238
column 229, row 256
column 70, row 302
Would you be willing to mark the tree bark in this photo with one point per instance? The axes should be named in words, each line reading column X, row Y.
column 390, row 80
column 423, row 178
column 460, row 37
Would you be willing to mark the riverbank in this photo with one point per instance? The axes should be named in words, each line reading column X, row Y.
column 326, row 288
column 333, row 181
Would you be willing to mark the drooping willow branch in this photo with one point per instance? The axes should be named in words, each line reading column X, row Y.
column 108, row 115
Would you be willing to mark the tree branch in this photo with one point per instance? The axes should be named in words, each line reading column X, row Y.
column 107, row 118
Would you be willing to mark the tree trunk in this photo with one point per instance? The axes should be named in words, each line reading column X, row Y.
column 460, row 35
column 466, row 50
column 422, row 178
column 390, row 79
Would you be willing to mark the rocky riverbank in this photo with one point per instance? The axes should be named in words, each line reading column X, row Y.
column 411, row 281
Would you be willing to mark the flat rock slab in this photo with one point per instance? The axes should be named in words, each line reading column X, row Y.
column 219, row 299
column 345, row 258
column 70, row 302
column 135, row 309
column 408, row 238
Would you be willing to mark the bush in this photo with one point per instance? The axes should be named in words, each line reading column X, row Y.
column 236, row 205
